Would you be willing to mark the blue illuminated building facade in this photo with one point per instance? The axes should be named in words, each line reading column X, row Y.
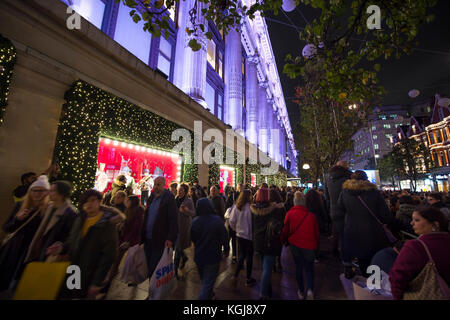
column 234, row 76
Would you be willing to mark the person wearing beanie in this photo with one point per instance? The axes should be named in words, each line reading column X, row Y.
column 21, row 226
column 56, row 224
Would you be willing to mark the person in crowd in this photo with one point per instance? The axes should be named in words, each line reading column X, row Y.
column 363, row 236
column 21, row 227
column 219, row 208
column 56, row 224
column 119, row 184
column 404, row 213
column 241, row 222
column 333, row 187
column 283, row 193
column 432, row 227
column 267, row 221
column 289, row 201
column 129, row 234
column 186, row 212
column 53, row 173
column 274, row 197
column 301, row 232
column 434, row 199
column 27, row 179
column 173, row 187
column 118, row 201
column 91, row 245
column 208, row 234
column 231, row 200
column 160, row 228
column 193, row 194
column 316, row 206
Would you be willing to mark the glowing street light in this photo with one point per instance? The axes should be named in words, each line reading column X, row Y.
column 352, row 107
column 306, row 166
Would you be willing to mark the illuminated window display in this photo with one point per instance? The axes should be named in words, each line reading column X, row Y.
column 226, row 177
column 253, row 179
column 140, row 164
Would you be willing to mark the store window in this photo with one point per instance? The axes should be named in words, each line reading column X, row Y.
column 92, row 10
column 210, row 97
column 165, row 56
column 134, row 161
column 131, row 35
column 211, row 53
column 227, row 175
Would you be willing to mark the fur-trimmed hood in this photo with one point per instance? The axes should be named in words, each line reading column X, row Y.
column 265, row 208
column 358, row 186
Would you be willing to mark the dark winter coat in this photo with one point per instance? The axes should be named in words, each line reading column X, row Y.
column 262, row 213
column 363, row 237
column 166, row 223
column 54, row 227
column 404, row 217
column 184, row 224
column 12, row 254
column 333, row 187
column 208, row 234
column 96, row 251
column 219, row 206
column 132, row 227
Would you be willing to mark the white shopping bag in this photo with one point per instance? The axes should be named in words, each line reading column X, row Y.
column 163, row 282
column 135, row 265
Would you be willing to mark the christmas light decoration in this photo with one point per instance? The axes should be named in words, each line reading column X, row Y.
column 90, row 113
column 8, row 57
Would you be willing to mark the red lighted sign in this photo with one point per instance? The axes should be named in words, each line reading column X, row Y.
column 226, row 178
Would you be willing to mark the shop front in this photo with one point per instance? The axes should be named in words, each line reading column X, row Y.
column 227, row 177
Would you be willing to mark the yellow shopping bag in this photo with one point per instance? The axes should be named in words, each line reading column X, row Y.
column 41, row 281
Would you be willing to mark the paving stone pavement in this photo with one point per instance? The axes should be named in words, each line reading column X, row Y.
column 327, row 282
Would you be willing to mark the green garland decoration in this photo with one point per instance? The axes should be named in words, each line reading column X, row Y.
column 8, row 58
column 90, row 112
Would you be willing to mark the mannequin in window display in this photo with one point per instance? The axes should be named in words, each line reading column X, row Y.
column 130, row 184
column 145, row 185
column 101, row 178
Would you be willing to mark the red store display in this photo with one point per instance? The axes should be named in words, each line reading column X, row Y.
column 115, row 158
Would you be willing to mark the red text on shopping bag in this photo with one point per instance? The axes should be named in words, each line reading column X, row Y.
column 164, row 275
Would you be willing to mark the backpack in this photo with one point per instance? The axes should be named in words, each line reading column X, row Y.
column 273, row 232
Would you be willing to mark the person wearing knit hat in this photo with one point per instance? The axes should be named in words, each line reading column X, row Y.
column 41, row 181
column 21, row 226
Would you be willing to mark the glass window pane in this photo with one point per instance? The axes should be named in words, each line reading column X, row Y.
column 91, row 10
column 164, row 64
column 210, row 97
column 212, row 53
column 172, row 12
column 165, row 47
column 131, row 35
column 220, row 65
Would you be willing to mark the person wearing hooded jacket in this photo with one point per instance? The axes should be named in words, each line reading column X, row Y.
column 333, row 187
column 92, row 245
column 363, row 236
column 208, row 234
column 263, row 213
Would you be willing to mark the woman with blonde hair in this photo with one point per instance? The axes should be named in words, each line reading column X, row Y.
column 21, row 227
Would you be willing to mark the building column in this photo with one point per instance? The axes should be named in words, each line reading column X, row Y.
column 233, row 79
column 251, row 89
column 190, row 66
column 270, row 127
column 262, row 117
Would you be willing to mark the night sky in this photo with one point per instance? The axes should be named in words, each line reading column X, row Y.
column 426, row 69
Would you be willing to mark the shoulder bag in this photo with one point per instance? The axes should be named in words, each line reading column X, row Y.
column 391, row 238
column 12, row 234
column 428, row 285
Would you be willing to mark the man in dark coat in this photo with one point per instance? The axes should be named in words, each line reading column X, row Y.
column 160, row 228
column 219, row 208
column 363, row 236
column 333, row 187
